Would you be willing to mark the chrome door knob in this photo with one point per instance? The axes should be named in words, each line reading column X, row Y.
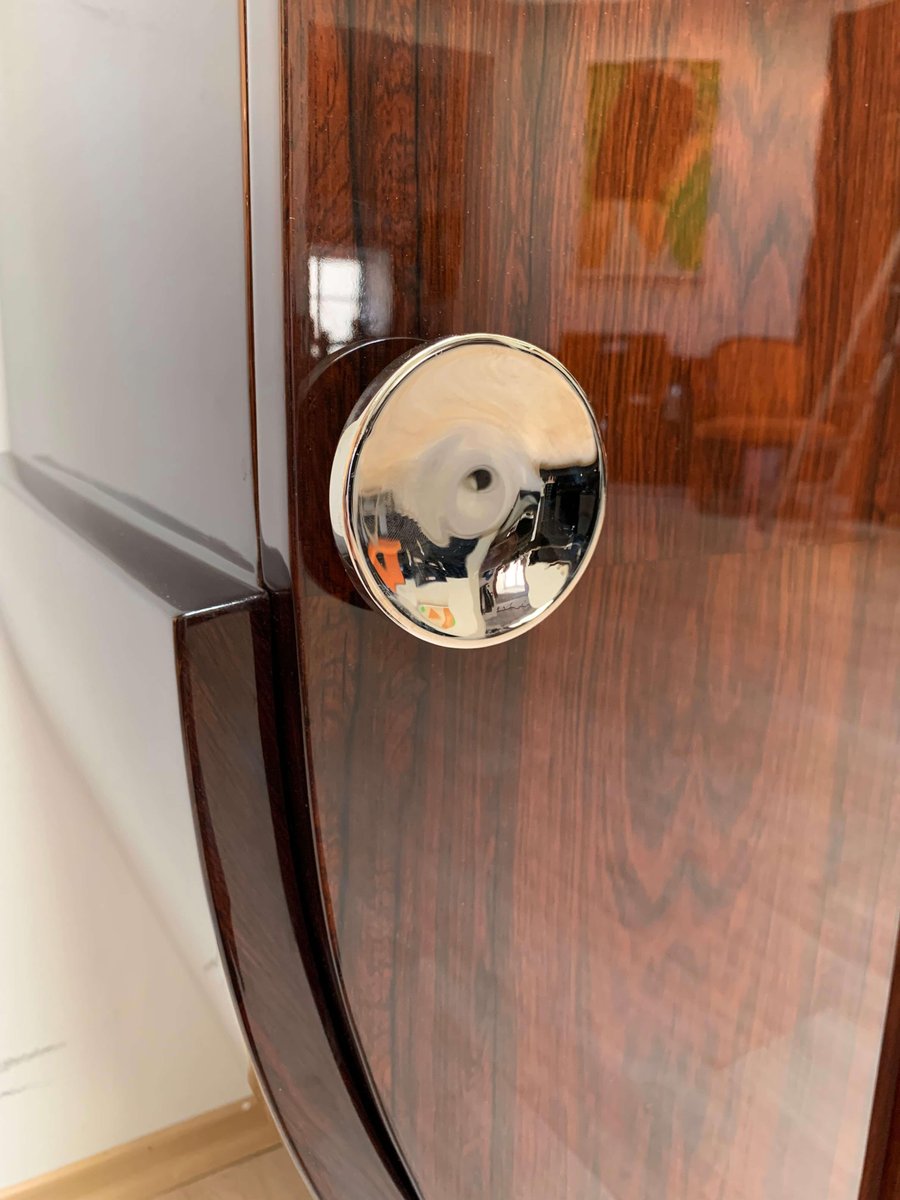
column 468, row 489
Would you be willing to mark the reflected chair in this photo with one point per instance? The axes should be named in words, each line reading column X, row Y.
column 755, row 449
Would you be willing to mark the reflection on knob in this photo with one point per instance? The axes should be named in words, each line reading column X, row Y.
column 468, row 489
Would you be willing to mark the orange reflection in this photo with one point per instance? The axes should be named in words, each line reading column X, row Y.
column 384, row 555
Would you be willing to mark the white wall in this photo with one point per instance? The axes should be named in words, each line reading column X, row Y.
column 122, row 265
column 114, row 1016
column 105, row 1033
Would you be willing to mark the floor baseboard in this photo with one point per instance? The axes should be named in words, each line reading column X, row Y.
column 152, row 1165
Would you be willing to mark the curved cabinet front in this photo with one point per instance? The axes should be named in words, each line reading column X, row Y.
column 613, row 907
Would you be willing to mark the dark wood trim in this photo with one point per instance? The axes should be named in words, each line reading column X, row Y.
column 262, row 879
column 881, row 1169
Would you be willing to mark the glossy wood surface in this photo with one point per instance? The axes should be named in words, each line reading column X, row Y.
column 260, row 876
column 615, row 906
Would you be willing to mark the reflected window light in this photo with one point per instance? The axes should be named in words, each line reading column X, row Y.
column 511, row 579
column 350, row 296
column 335, row 287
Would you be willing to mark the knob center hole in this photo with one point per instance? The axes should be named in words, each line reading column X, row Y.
column 479, row 480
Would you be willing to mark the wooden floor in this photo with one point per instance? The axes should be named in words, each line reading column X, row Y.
column 269, row 1176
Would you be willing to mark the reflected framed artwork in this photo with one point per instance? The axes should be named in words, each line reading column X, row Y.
column 645, row 201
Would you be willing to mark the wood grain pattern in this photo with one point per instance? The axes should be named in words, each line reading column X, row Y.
column 267, row 1177
column 615, row 906
column 157, row 1163
column 270, row 937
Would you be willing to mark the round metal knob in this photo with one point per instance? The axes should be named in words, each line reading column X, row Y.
column 468, row 489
